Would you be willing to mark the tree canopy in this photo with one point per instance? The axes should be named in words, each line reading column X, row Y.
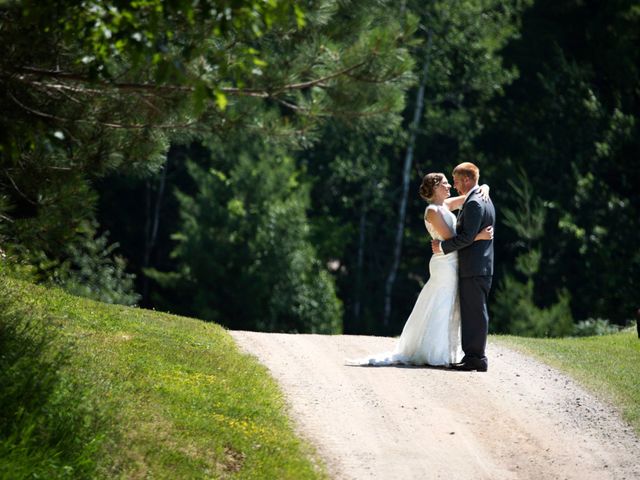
column 272, row 151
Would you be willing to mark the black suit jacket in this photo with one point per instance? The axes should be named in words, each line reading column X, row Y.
column 474, row 258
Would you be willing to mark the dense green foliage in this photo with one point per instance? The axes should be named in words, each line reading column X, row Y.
column 153, row 117
column 351, row 210
column 358, row 193
column 107, row 86
column 120, row 392
column 515, row 308
column 243, row 252
column 570, row 122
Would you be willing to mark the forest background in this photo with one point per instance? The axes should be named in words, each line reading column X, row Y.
column 257, row 163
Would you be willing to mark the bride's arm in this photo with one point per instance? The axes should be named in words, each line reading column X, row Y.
column 454, row 203
column 485, row 234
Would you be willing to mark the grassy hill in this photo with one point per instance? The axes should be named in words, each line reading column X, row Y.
column 90, row 390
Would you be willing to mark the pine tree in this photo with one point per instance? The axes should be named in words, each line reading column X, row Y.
column 93, row 88
column 243, row 253
column 516, row 309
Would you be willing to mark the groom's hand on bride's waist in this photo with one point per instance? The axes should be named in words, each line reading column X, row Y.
column 435, row 246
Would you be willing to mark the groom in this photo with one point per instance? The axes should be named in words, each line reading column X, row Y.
column 475, row 266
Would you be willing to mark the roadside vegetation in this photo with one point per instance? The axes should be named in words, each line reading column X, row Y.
column 90, row 390
column 607, row 365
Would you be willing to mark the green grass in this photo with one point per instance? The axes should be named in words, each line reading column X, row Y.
column 607, row 365
column 172, row 396
column 141, row 394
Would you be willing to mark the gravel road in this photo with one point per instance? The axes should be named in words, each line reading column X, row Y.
column 520, row 420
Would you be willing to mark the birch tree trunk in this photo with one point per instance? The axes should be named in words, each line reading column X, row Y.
column 408, row 162
column 152, row 224
column 360, row 263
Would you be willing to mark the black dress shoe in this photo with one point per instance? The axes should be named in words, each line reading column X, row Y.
column 470, row 366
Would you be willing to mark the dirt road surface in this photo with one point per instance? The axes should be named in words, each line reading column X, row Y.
column 520, row 420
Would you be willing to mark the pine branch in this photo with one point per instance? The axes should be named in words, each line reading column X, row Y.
column 36, row 112
column 376, row 80
column 128, row 86
column 155, row 89
column 132, row 126
column 15, row 186
column 331, row 113
column 318, row 81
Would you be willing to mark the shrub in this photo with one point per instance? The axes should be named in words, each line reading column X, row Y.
column 86, row 267
column 594, row 326
column 93, row 271
column 515, row 306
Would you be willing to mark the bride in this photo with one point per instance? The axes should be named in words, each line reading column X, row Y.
column 431, row 335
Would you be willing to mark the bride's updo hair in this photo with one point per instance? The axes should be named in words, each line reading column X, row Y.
column 429, row 184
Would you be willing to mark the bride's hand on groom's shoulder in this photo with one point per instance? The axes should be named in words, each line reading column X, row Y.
column 484, row 192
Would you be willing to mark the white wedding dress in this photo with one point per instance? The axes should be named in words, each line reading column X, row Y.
column 431, row 335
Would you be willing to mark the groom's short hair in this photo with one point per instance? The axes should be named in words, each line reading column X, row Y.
column 467, row 169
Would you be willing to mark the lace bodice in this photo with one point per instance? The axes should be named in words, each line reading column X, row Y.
column 448, row 216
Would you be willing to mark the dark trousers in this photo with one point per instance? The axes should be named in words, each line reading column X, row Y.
column 474, row 292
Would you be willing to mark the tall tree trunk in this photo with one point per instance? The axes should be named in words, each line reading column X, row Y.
column 152, row 225
column 359, row 263
column 408, row 162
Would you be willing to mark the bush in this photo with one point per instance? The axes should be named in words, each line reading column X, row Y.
column 594, row 326
column 86, row 267
column 18, row 268
column 93, row 271
column 517, row 313
column 48, row 427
